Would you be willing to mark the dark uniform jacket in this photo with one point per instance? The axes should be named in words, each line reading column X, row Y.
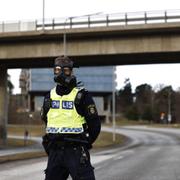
column 85, row 106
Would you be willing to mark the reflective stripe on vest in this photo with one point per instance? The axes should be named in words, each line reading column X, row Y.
column 62, row 116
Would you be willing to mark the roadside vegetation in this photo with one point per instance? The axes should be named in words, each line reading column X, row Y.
column 159, row 105
column 22, row 156
column 104, row 141
column 126, row 122
column 13, row 142
column 166, row 125
column 19, row 130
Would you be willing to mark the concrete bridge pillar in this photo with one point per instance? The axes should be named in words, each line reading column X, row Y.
column 3, row 105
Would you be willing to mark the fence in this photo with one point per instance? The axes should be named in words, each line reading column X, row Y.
column 89, row 21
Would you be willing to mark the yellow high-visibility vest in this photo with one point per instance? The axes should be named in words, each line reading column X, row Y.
column 63, row 116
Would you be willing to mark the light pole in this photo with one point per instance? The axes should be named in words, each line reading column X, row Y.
column 43, row 17
column 169, row 106
column 64, row 42
column 114, row 104
column 64, row 36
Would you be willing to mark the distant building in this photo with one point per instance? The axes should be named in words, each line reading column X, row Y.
column 35, row 83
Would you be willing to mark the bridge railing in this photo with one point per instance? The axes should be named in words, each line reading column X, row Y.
column 88, row 21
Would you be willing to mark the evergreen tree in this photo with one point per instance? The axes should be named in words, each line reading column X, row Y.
column 125, row 96
column 144, row 97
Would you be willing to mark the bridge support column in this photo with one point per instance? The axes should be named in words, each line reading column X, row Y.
column 3, row 105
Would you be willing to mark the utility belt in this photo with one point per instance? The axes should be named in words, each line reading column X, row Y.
column 67, row 137
column 54, row 141
column 64, row 144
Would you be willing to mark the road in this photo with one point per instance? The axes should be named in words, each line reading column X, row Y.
column 153, row 154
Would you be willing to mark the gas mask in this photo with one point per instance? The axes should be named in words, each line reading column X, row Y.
column 63, row 76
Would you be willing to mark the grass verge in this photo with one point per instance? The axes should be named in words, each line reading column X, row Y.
column 125, row 122
column 22, row 156
column 12, row 142
column 104, row 140
column 165, row 125
column 33, row 130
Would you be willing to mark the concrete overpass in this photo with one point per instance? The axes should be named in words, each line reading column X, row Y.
column 118, row 45
column 109, row 45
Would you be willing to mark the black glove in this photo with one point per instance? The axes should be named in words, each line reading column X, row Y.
column 85, row 136
column 47, row 105
column 46, row 143
column 45, row 109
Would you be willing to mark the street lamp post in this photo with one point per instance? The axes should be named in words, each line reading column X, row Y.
column 114, row 104
column 169, row 106
column 43, row 17
column 64, row 36
column 64, row 42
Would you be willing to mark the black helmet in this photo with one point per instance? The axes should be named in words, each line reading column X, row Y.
column 63, row 61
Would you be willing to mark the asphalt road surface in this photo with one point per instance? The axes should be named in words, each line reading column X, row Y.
column 153, row 154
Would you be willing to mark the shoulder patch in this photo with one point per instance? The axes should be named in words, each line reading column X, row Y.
column 79, row 97
column 92, row 109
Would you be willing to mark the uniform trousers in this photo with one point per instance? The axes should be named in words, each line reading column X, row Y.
column 64, row 161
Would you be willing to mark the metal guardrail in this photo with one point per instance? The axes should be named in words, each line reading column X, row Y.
column 88, row 21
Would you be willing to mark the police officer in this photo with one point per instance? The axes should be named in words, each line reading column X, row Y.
column 72, row 125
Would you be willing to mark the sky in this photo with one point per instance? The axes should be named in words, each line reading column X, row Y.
column 11, row 10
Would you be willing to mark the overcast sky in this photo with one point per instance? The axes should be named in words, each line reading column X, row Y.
column 32, row 9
